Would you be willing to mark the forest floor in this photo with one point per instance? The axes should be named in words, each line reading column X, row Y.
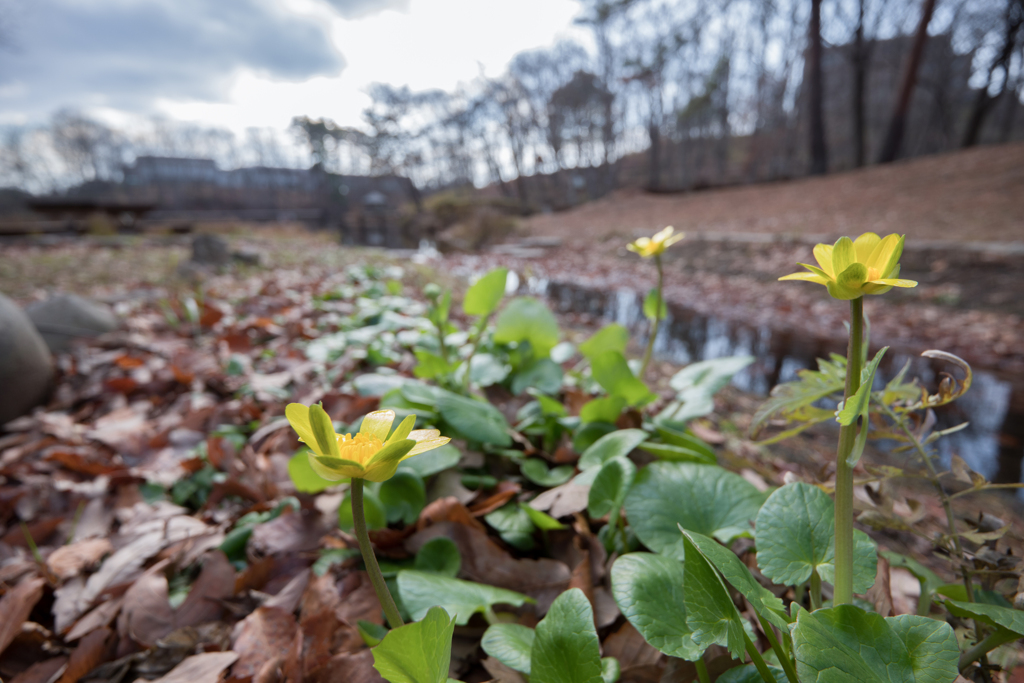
column 972, row 195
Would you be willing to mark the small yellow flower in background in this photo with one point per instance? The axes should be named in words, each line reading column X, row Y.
column 655, row 246
column 851, row 269
column 370, row 454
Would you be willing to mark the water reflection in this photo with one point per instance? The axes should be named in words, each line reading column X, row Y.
column 990, row 444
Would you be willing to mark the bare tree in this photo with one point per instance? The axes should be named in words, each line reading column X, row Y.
column 1013, row 19
column 894, row 135
column 815, row 103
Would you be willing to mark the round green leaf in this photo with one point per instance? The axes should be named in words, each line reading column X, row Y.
column 612, row 372
column 303, row 476
column 439, row 556
column 403, row 497
column 648, row 589
column 536, row 470
column 513, row 524
column 845, row 644
column 604, row 409
column 565, row 648
column 702, row 498
column 510, row 644
column 417, row 653
column 610, row 487
column 710, row 612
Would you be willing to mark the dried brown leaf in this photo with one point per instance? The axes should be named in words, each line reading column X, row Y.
column 70, row 560
column 15, row 607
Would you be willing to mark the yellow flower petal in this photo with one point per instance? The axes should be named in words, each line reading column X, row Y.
column 378, row 424
column 886, row 254
column 894, row 282
column 865, row 245
column 323, row 429
column 426, row 440
column 335, row 469
column 823, row 255
column 298, row 418
column 403, row 429
column 843, row 256
column 808, row 277
column 663, row 234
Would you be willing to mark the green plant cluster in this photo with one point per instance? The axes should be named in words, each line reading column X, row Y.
column 703, row 557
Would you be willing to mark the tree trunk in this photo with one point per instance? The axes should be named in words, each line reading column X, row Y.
column 983, row 102
column 654, row 171
column 894, row 135
column 859, row 72
column 819, row 152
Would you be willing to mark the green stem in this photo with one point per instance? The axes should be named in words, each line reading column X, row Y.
column 815, row 590
column 657, row 318
column 702, row 671
column 758, row 660
column 369, row 559
column 994, row 640
column 844, row 473
column 780, row 651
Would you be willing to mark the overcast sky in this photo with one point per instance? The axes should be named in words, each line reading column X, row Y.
column 242, row 63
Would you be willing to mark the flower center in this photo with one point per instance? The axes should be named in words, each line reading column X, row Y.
column 874, row 274
column 359, row 448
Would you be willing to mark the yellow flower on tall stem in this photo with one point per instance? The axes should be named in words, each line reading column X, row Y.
column 371, row 454
column 852, row 268
column 655, row 246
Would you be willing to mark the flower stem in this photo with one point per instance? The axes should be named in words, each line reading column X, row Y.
column 815, row 590
column 657, row 317
column 994, row 640
column 844, row 472
column 702, row 670
column 780, row 651
column 758, row 660
column 369, row 559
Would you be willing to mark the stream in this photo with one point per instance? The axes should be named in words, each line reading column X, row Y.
column 994, row 405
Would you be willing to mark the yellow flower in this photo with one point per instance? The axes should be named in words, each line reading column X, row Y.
column 654, row 246
column 851, row 269
column 370, row 454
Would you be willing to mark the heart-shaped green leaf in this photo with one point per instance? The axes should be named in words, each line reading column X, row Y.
column 403, row 497
column 993, row 615
column 542, row 374
column 439, row 556
column 417, row 653
column 510, row 644
column 610, row 487
column 703, row 498
column 433, row 461
column 748, row 673
column 422, row 590
column 604, row 409
column 566, row 648
column 648, row 589
column 845, row 644
column 795, row 535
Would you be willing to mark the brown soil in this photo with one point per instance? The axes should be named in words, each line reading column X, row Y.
column 975, row 195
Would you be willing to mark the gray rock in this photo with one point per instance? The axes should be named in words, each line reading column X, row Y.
column 246, row 256
column 26, row 368
column 65, row 317
column 210, row 250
